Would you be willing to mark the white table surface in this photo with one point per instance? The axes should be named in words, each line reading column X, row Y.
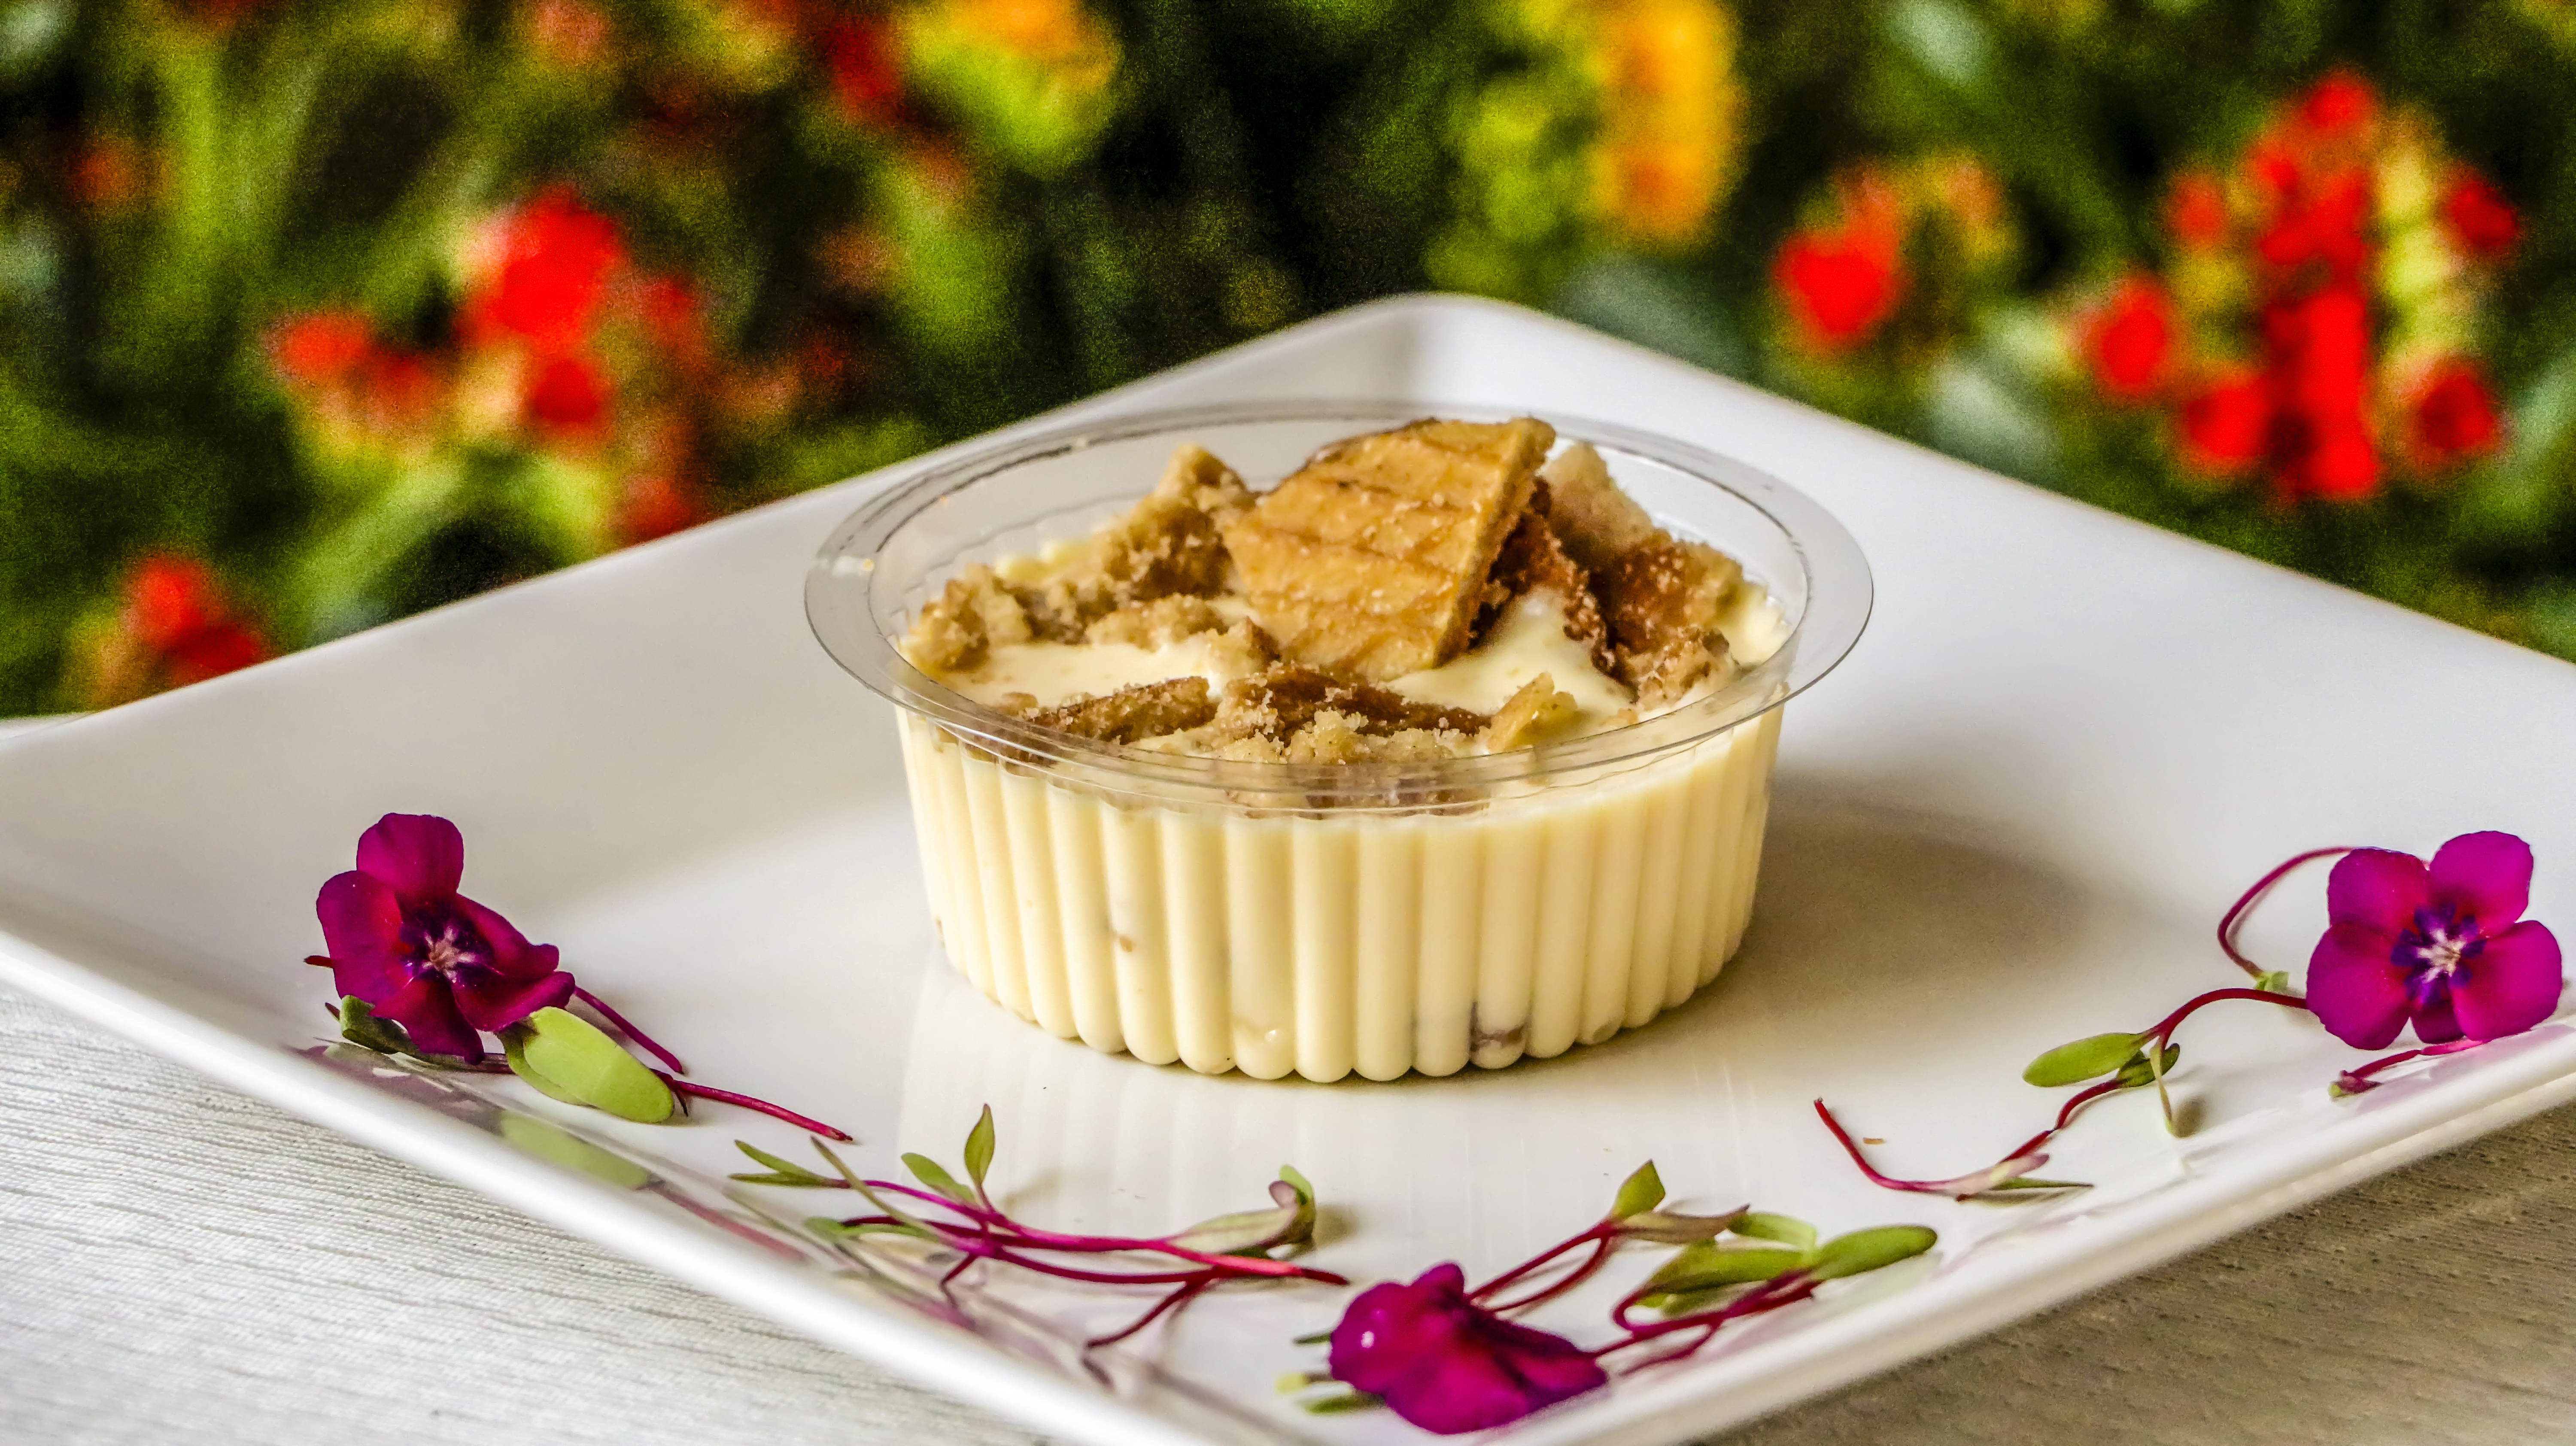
column 181, row 1263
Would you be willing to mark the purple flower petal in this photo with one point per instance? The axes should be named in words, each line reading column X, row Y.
column 2485, row 876
column 2511, row 985
column 420, row 854
column 512, row 954
column 1449, row 1365
column 2378, row 887
column 2354, row 988
column 427, row 1012
column 2436, row 1023
column 362, row 930
column 493, row 1002
column 1391, row 1325
column 1500, row 1373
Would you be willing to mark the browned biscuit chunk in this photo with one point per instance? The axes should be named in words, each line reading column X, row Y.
column 1133, row 714
column 1370, row 560
column 973, row 615
column 1156, row 624
column 1534, row 559
column 1166, row 546
column 1661, row 601
column 1288, row 696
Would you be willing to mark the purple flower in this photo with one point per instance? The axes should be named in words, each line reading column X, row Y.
column 425, row 956
column 1449, row 1365
column 2439, row 946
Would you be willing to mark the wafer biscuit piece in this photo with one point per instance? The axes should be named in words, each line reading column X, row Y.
column 1596, row 520
column 1370, row 561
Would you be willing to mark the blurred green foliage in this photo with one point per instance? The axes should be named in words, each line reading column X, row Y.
column 316, row 314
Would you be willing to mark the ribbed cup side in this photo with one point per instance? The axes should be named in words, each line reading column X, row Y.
column 1323, row 946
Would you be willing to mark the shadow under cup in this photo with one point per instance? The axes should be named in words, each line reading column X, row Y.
column 1325, row 919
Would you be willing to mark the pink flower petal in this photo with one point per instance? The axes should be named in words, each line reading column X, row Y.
column 362, row 932
column 512, row 954
column 2486, row 876
column 1449, row 1365
column 2437, row 1022
column 427, row 1012
column 2511, row 985
column 2356, row 992
column 494, row 1003
column 2378, row 887
column 421, row 855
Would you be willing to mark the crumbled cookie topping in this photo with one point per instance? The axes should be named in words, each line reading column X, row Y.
column 1304, row 613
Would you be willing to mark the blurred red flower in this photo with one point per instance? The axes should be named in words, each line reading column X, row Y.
column 2479, row 217
column 859, row 56
column 2196, row 209
column 2317, row 353
column 1839, row 285
column 320, row 348
column 654, row 505
column 568, row 397
column 2452, row 416
column 176, row 615
column 2339, row 105
column 2227, row 426
column 2130, row 340
column 552, row 271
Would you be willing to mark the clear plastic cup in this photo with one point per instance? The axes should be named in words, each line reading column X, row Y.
column 1375, row 918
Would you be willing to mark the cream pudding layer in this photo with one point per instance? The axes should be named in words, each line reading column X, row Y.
column 1275, row 931
column 1320, row 945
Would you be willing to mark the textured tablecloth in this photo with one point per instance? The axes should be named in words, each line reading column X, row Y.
column 179, row 1262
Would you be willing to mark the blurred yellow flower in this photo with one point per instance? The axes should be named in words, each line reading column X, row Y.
column 1671, row 128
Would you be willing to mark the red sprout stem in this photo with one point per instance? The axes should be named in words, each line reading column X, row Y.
column 2160, row 1034
column 1589, row 1267
column 1770, row 1295
column 760, row 1106
column 1174, row 1301
column 2365, row 1077
column 2236, row 915
column 2009, row 1166
column 1600, row 1233
column 1034, row 1238
column 627, row 1027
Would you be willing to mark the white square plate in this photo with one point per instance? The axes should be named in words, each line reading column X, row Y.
column 2010, row 820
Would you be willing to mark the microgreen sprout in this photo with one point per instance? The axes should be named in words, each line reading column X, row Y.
column 2441, row 946
column 1449, row 1359
column 962, row 1218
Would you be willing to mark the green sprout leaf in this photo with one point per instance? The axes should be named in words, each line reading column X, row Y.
column 1785, row 1229
column 1710, row 1266
column 1668, row 1227
column 1346, row 1401
column 781, row 1172
column 514, row 1049
column 979, row 1148
column 2084, row 1059
column 549, row 1142
column 2273, row 981
column 363, row 1027
column 2141, row 1072
column 1863, row 1251
column 1639, row 1193
column 931, row 1173
column 1246, row 1232
column 571, row 1059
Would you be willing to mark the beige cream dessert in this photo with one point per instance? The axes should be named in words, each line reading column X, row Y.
column 1347, row 646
